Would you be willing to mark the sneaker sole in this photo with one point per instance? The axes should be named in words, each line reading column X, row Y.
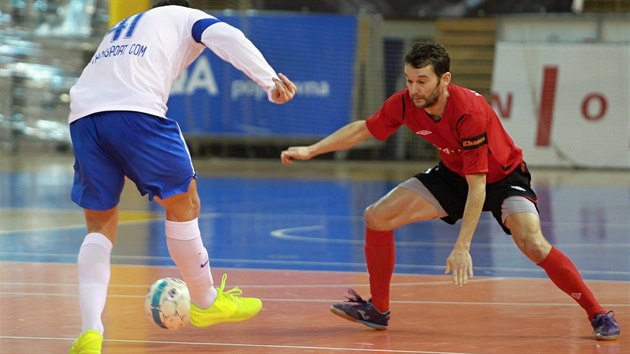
column 81, row 345
column 198, row 325
column 605, row 338
column 350, row 318
column 228, row 320
column 87, row 352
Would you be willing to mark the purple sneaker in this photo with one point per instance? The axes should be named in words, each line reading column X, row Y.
column 359, row 310
column 605, row 326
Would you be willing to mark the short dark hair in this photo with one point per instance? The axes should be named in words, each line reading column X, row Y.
column 428, row 53
column 159, row 3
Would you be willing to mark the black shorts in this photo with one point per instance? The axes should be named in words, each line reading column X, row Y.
column 451, row 191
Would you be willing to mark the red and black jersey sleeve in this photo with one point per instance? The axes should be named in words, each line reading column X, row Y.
column 389, row 118
column 473, row 136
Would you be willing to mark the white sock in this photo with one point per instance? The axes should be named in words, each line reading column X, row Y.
column 94, row 273
column 185, row 246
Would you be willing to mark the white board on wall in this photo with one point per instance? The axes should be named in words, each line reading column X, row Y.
column 565, row 104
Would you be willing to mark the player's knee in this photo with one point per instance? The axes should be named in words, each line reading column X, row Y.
column 372, row 218
column 195, row 204
column 532, row 243
column 182, row 207
column 524, row 225
column 191, row 208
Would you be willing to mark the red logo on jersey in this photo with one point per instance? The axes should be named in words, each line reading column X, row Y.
column 423, row 132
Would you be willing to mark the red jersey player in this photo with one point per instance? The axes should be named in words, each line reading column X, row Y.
column 480, row 169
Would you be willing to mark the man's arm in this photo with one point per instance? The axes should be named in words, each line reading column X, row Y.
column 231, row 45
column 459, row 262
column 343, row 139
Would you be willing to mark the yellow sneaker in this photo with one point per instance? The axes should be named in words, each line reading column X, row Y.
column 228, row 307
column 89, row 342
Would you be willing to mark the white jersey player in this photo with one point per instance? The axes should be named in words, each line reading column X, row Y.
column 142, row 55
column 119, row 129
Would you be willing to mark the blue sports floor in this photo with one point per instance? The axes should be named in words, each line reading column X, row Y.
column 258, row 214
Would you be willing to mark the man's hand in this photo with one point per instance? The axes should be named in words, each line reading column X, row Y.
column 295, row 153
column 459, row 263
column 284, row 90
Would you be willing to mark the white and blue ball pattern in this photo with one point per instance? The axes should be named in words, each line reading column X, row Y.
column 167, row 303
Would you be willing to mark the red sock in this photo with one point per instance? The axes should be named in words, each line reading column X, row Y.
column 563, row 273
column 380, row 256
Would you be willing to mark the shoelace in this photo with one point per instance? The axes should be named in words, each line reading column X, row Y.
column 232, row 294
column 608, row 317
column 356, row 298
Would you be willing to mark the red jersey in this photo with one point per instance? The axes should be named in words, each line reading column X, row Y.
column 469, row 136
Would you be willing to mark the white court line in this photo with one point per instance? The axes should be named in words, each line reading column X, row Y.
column 272, row 286
column 310, row 286
column 328, row 301
column 215, row 344
column 289, row 235
column 298, row 286
column 401, row 267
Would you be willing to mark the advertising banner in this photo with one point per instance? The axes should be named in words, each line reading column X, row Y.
column 317, row 53
column 565, row 104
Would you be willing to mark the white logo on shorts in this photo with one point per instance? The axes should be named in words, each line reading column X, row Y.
column 518, row 188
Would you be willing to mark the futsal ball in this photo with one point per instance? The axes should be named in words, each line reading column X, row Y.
column 167, row 303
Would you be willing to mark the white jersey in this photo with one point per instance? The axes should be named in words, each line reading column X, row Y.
column 140, row 58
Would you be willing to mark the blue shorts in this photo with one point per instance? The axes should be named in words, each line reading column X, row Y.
column 108, row 146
